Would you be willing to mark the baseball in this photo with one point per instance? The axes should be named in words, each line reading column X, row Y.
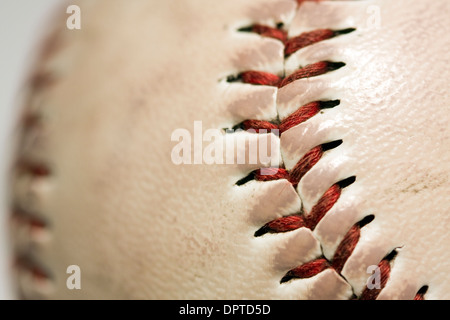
column 239, row 149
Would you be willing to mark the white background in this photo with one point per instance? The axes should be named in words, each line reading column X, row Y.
column 22, row 24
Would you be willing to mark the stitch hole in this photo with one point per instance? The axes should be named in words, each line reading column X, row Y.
column 332, row 66
column 246, row 179
column 234, row 78
column 266, row 31
column 255, row 78
column 254, row 126
column 346, row 182
column 281, row 225
column 344, row 31
column 329, row 104
column 331, row 145
column 251, row 28
column 307, row 270
column 266, row 174
column 246, row 29
column 421, row 293
column 391, row 256
column 368, row 219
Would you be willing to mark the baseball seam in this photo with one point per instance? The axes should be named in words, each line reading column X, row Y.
column 308, row 219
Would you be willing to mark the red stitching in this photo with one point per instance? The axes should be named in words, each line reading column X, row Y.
column 41, row 80
column 283, row 224
column 307, row 270
column 306, row 39
column 330, row 197
column 292, row 45
column 301, row 115
column 295, row 175
column 270, row 79
column 38, row 273
column 261, row 78
column 309, row 71
column 346, row 247
column 26, row 217
column 270, row 32
column 34, row 169
column 421, row 293
column 385, row 270
column 258, row 125
column 308, row 220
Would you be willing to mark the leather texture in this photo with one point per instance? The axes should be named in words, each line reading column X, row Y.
column 141, row 227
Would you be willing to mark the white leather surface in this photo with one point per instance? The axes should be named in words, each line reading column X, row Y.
column 141, row 227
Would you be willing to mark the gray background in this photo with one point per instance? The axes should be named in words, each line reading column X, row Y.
column 22, row 24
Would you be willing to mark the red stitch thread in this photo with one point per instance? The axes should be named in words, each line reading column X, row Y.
column 307, row 270
column 260, row 78
column 385, row 270
column 33, row 222
column 41, row 80
column 421, row 293
column 270, row 32
column 270, row 79
column 299, row 116
column 293, row 44
column 323, row 205
column 305, row 164
column 271, row 174
column 299, row 170
column 309, row 220
column 38, row 273
column 305, row 39
column 341, row 255
column 30, row 120
column 346, row 248
column 34, row 169
column 258, row 125
column 330, row 197
column 28, row 218
column 283, row 224
column 419, row 297
column 311, row 70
